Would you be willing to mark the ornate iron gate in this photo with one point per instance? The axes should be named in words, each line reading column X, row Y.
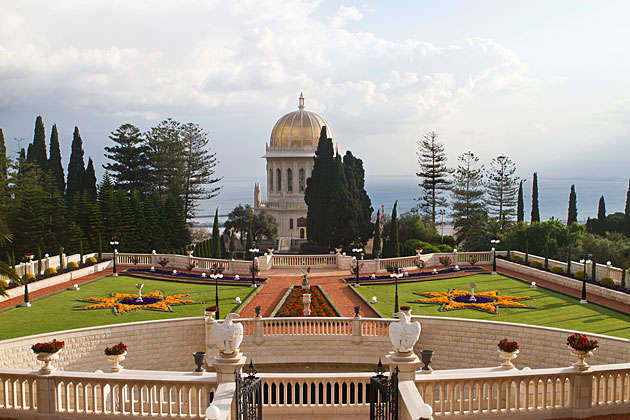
column 248, row 395
column 384, row 395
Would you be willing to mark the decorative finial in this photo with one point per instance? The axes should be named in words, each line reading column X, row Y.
column 301, row 106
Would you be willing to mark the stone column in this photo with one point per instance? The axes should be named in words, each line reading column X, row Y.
column 46, row 397
column 225, row 364
column 357, row 330
column 259, row 337
column 582, row 393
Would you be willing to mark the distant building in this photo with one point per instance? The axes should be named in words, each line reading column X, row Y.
column 290, row 158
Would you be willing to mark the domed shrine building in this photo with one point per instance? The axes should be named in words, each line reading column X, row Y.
column 290, row 158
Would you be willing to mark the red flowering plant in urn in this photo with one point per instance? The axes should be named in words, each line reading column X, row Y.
column 580, row 342
column 507, row 346
column 49, row 347
column 118, row 349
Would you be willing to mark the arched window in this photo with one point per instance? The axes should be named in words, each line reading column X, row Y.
column 290, row 224
column 289, row 180
column 270, row 182
column 302, row 180
column 278, row 180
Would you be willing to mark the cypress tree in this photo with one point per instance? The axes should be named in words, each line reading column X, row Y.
column 376, row 243
column 4, row 173
column 520, row 207
column 393, row 233
column 601, row 216
column 593, row 269
column 547, row 253
column 232, row 245
column 249, row 243
column 572, row 217
column 37, row 154
column 76, row 167
column 355, row 176
column 223, row 250
column 345, row 227
column 216, row 237
column 89, row 181
column 535, row 211
column 626, row 219
column 54, row 163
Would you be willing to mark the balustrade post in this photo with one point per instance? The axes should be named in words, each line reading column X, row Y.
column 46, row 397
column 154, row 259
column 582, row 394
column 259, row 337
column 357, row 330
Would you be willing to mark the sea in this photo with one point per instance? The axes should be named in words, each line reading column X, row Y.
column 553, row 196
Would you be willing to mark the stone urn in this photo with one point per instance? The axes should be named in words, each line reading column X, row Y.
column 306, row 299
column 507, row 357
column 199, row 358
column 48, row 358
column 581, row 364
column 116, row 359
column 338, row 250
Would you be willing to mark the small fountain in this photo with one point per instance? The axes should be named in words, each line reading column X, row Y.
column 139, row 286
column 472, row 292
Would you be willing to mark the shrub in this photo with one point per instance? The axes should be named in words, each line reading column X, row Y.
column 580, row 275
column 445, row 248
column 50, row 271
column 72, row 265
column 516, row 258
column 90, row 260
column 445, row 261
column 311, row 248
column 535, row 264
column 557, row 269
column 607, row 281
column 28, row 277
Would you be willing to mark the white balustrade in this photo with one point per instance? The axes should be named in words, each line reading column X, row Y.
column 611, row 385
column 305, row 260
column 18, row 390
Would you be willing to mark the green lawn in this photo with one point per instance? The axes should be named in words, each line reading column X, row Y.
column 553, row 309
column 59, row 311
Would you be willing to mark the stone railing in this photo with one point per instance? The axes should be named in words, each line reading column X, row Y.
column 305, row 260
column 54, row 262
column 369, row 327
column 72, row 395
column 540, row 393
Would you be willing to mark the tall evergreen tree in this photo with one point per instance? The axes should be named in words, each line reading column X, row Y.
column 130, row 163
column 355, row 177
column 572, row 216
column 626, row 219
column 345, row 226
column 4, row 175
column 601, row 216
column 502, row 189
column 216, row 246
column 433, row 174
column 37, row 154
column 393, row 234
column 249, row 243
column 376, row 243
column 468, row 192
column 76, row 167
column 520, row 204
column 166, row 152
column 54, row 163
column 535, row 210
column 89, row 181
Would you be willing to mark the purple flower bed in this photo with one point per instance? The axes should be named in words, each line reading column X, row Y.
column 145, row 301
column 589, row 281
column 414, row 275
column 39, row 277
column 478, row 299
column 191, row 275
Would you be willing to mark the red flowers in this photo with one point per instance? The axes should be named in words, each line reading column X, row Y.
column 212, row 308
column 580, row 342
column 294, row 306
column 119, row 348
column 51, row 347
column 507, row 346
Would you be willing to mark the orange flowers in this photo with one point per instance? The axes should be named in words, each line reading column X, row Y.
column 123, row 302
column 487, row 301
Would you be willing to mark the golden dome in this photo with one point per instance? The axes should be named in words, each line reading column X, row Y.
column 298, row 129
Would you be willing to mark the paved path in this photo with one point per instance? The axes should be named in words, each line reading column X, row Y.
column 338, row 291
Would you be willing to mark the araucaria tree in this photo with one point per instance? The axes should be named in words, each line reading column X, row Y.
column 572, row 216
column 433, row 174
column 502, row 188
column 467, row 192
column 129, row 165
column 535, row 209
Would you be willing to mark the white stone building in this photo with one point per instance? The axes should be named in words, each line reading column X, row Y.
column 290, row 157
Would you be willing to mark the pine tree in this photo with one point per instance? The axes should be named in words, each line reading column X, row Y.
column 37, row 154
column 572, row 216
column 76, row 167
column 520, row 206
column 535, row 211
column 54, row 164
column 433, row 174
column 89, row 181
column 601, row 216
column 216, row 246
column 502, row 188
column 626, row 219
column 468, row 191
column 376, row 243
column 166, row 152
column 131, row 166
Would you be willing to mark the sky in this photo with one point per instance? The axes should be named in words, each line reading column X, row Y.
column 544, row 83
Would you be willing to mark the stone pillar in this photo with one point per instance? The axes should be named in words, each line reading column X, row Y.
column 259, row 337
column 357, row 330
column 154, row 259
column 407, row 364
column 225, row 364
column 46, row 397
column 582, row 394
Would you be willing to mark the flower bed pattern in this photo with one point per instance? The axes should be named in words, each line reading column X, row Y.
column 121, row 303
column 294, row 306
column 193, row 276
column 421, row 274
column 485, row 301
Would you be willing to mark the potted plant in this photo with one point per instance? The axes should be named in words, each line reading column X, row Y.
column 508, row 350
column 47, row 352
column 211, row 310
column 445, row 261
column 338, row 249
column 116, row 354
column 582, row 348
column 406, row 310
column 270, row 250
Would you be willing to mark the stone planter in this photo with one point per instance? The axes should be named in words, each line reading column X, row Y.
column 48, row 358
column 581, row 364
column 507, row 358
column 116, row 359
